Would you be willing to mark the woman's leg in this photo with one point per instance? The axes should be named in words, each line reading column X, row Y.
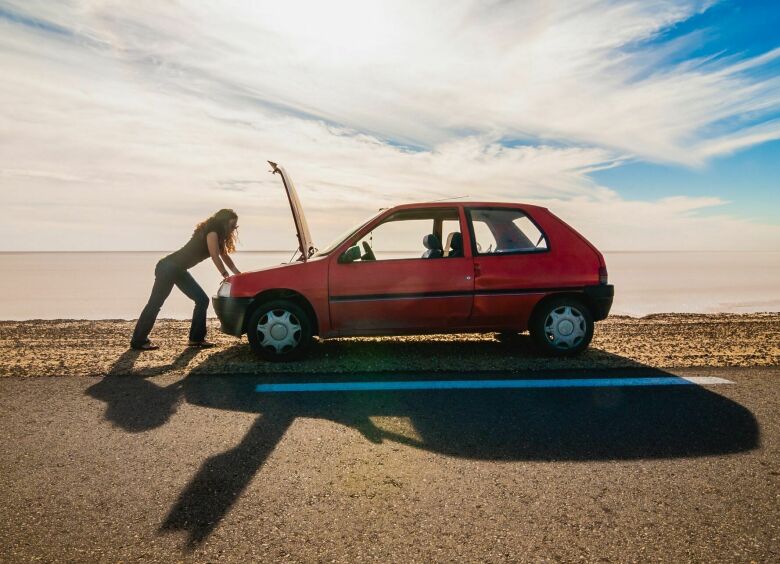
column 163, row 284
column 187, row 284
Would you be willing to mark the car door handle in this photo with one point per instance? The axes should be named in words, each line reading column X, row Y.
column 477, row 270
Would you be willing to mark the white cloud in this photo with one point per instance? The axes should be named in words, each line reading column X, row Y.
column 745, row 137
column 139, row 118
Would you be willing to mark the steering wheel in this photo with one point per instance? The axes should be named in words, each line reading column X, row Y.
column 369, row 253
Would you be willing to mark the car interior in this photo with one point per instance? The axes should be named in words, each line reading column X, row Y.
column 505, row 231
column 454, row 245
column 496, row 231
column 389, row 238
column 432, row 247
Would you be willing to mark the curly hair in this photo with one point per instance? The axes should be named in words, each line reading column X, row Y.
column 219, row 224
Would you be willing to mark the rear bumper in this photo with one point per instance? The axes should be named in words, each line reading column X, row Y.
column 600, row 298
column 231, row 313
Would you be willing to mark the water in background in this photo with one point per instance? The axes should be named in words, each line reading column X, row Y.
column 116, row 285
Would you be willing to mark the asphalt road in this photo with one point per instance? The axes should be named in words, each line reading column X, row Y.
column 202, row 467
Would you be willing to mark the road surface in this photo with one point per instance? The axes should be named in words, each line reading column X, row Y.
column 200, row 467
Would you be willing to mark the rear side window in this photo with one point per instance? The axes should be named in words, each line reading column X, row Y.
column 505, row 230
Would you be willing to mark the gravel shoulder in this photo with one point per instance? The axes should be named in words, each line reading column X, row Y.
column 97, row 348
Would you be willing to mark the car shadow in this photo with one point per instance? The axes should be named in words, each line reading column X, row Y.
column 570, row 424
column 429, row 353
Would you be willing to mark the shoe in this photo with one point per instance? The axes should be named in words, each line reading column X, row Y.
column 204, row 344
column 146, row 346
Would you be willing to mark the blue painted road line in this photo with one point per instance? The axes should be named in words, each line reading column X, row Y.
column 488, row 384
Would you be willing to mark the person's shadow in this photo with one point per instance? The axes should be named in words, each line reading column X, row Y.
column 577, row 424
column 134, row 403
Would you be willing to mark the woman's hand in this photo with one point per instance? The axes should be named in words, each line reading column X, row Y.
column 229, row 263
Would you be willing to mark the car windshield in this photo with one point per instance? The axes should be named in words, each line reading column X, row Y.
column 344, row 236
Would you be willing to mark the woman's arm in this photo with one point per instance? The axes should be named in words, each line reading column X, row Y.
column 229, row 262
column 212, row 241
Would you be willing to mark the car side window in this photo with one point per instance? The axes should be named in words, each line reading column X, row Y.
column 505, row 230
column 413, row 234
column 486, row 242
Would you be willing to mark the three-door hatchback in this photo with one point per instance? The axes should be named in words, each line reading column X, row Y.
column 440, row 267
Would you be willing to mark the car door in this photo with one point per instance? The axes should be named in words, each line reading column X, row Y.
column 400, row 290
column 513, row 267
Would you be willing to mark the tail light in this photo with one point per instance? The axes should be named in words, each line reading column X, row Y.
column 603, row 276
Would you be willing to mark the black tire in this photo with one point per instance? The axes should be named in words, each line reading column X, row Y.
column 291, row 336
column 558, row 331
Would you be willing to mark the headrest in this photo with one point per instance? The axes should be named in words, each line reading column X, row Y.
column 432, row 242
column 456, row 240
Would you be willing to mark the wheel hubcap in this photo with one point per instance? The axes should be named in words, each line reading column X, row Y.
column 279, row 331
column 565, row 327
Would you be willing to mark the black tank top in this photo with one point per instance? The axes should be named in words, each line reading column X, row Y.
column 192, row 253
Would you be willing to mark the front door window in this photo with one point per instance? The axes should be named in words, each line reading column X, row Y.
column 414, row 234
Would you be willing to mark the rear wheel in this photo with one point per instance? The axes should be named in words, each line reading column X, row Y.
column 279, row 331
column 562, row 327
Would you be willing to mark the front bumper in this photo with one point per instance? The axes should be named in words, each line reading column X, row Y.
column 600, row 299
column 231, row 313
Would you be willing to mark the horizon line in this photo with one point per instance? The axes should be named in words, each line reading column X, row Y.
column 389, row 251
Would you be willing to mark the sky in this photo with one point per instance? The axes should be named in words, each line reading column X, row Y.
column 647, row 125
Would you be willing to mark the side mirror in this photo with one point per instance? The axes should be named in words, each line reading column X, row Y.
column 350, row 255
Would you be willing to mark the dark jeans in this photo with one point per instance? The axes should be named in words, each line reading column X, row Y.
column 166, row 275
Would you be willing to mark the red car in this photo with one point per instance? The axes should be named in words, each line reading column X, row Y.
column 441, row 267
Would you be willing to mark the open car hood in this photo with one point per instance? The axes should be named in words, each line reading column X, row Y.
column 304, row 237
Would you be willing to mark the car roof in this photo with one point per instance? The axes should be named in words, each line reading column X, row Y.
column 469, row 204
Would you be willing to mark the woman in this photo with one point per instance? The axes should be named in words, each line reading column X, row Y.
column 215, row 237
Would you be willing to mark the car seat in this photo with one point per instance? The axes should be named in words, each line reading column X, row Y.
column 433, row 246
column 455, row 244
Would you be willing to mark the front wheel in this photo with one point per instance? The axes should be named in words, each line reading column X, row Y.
column 279, row 331
column 562, row 327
